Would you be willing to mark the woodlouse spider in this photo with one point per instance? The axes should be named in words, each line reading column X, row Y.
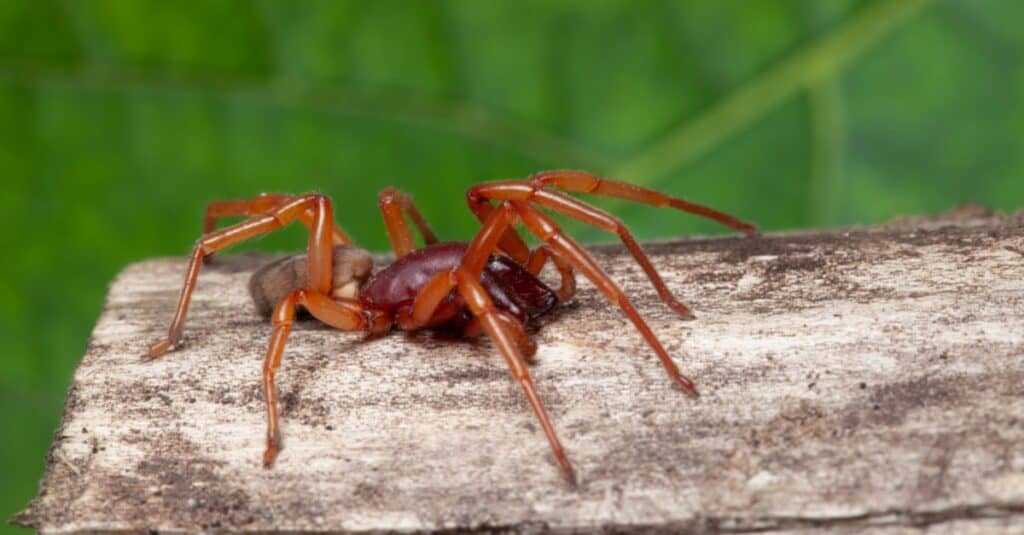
column 488, row 285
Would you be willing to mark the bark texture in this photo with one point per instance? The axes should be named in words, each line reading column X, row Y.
column 863, row 379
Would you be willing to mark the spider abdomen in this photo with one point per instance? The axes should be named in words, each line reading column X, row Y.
column 275, row 280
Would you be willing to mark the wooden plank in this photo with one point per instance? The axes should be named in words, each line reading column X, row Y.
column 869, row 378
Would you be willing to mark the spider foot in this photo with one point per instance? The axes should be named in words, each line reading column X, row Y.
column 682, row 310
column 750, row 230
column 687, row 385
column 159, row 349
column 270, row 455
column 567, row 471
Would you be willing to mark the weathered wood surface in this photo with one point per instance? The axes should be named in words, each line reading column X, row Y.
column 870, row 378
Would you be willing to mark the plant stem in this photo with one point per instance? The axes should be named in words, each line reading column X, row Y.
column 829, row 140
column 822, row 59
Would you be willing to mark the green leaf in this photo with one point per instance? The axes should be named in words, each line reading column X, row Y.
column 37, row 33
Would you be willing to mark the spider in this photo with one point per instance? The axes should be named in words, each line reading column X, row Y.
column 488, row 285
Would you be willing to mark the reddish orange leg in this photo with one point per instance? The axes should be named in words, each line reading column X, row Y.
column 514, row 246
column 320, row 253
column 480, row 304
column 511, row 243
column 432, row 307
column 535, row 265
column 506, row 333
column 546, row 229
column 515, row 329
column 571, row 207
column 342, row 314
column 482, row 307
column 583, row 182
column 393, row 204
column 259, row 205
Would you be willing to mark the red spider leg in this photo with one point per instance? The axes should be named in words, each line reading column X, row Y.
column 437, row 289
column 583, row 182
column 392, row 204
column 432, row 307
column 342, row 314
column 260, row 205
column 527, row 346
column 511, row 243
column 320, row 253
column 482, row 307
column 240, row 207
column 546, row 229
column 480, row 304
column 576, row 209
column 535, row 265
column 430, row 297
column 514, row 246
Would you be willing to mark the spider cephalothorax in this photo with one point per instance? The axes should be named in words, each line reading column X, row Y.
column 489, row 285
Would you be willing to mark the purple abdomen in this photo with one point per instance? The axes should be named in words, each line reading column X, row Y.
column 511, row 287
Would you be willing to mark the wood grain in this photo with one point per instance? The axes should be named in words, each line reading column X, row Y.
column 855, row 379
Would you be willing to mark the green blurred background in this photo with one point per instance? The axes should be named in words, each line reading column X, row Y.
column 120, row 120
